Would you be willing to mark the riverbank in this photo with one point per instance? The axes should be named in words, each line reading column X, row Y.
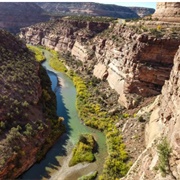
column 93, row 114
column 54, row 163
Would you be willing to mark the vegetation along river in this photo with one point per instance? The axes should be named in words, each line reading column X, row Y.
column 55, row 164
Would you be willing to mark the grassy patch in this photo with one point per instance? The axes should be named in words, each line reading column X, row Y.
column 83, row 151
column 56, row 62
column 37, row 52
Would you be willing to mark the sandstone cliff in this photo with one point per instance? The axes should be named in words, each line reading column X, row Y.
column 167, row 11
column 164, row 122
column 134, row 63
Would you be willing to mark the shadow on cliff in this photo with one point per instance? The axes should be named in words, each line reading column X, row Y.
column 50, row 162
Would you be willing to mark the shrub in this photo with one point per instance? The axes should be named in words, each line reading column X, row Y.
column 83, row 152
column 141, row 119
column 164, row 151
column 38, row 53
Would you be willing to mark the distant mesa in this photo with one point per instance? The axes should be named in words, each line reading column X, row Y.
column 88, row 8
column 15, row 15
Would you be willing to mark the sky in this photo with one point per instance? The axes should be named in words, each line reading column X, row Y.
column 138, row 3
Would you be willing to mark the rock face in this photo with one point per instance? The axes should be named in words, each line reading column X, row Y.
column 136, row 64
column 167, row 11
column 133, row 64
column 164, row 122
column 88, row 8
column 66, row 35
column 15, row 15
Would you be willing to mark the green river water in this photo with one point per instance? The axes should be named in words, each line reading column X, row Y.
column 54, row 165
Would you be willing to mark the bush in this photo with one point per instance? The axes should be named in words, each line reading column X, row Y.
column 38, row 53
column 83, row 152
column 164, row 151
column 141, row 119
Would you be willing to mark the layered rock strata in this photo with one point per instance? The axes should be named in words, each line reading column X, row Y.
column 167, row 11
column 164, row 122
column 132, row 63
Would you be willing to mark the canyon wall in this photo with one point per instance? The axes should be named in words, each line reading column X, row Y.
column 88, row 8
column 167, row 11
column 25, row 124
column 134, row 64
column 164, row 122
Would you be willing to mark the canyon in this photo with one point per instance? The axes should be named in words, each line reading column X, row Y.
column 138, row 62
column 135, row 64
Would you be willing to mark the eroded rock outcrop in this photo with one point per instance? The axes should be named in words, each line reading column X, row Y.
column 167, row 11
column 134, row 64
column 164, row 122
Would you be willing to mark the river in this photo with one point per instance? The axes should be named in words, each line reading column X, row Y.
column 55, row 165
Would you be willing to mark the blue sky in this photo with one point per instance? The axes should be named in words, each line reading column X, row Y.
column 129, row 3
column 139, row 4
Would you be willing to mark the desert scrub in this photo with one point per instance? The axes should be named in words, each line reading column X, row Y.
column 164, row 151
column 37, row 52
column 56, row 62
column 83, row 151
column 92, row 18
